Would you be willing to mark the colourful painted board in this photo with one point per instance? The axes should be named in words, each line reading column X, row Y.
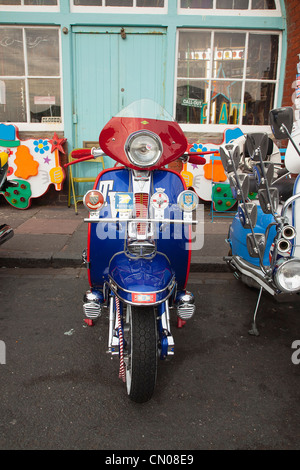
column 201, row 177
column 34, row 163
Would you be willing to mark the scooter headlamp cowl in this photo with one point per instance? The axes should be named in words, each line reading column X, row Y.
column 143, row 148
column 287, row 275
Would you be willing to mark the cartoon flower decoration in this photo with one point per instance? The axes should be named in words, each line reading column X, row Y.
column 41, row 146
column 198, row 148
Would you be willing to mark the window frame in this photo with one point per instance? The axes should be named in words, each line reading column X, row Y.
column 219, row 128
column 117, row 10
column 37, row 126
column 32, row 8
column 230, row 12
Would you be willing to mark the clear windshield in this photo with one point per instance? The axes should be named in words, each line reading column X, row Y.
column 145, row 108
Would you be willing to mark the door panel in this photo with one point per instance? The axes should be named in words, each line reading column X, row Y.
column 111, row 72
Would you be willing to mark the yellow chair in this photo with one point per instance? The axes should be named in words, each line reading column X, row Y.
column 74, row 178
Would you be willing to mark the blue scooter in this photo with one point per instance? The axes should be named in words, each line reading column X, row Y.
column 139, row 241
column 263, row 239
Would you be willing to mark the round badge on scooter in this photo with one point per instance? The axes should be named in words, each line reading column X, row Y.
column 187, row 200
column 93, row 200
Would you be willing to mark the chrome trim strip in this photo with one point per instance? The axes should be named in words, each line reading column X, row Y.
column 171, row 283
column 131, row 219
column 250, row 271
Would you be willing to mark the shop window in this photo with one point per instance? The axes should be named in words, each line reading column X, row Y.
column 29, row 2
column 226, row 77
column 231, row 4
column 30, row 75
column 120, row 3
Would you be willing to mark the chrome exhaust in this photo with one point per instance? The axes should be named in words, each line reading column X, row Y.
column 284, row 246
column 288, row 232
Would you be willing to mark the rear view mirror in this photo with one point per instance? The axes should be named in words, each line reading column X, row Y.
column 256, row 244
column 267, row 204
column 230, row 158
column 255, row 142
column 240, row 186
column 268, row 171
column 248, row 214
column 281, row 121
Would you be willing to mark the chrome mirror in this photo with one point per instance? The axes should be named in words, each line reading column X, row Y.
column 248, row 214
column 281, row 121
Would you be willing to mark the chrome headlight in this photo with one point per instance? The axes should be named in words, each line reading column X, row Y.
column 143, row 148
column 287, row 275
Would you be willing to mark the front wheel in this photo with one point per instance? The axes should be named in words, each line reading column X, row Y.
column 140, row 352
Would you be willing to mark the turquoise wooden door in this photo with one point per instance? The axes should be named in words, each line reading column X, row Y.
column 111, row 70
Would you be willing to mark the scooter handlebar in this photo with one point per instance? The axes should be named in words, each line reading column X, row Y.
column 197, row 159
column 82, row 155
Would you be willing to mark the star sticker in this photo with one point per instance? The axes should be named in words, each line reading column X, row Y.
column 57, row 143
column 47, row 160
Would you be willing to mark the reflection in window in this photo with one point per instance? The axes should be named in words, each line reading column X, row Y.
column 42, row 52
column 196, row 3
column 28, row 2
column 121, row 3
column 44, row 98
column 226, row 78
column 233, row 4
column 29, row 74
column 11, row 52
column 12, row 100
column 230, row 4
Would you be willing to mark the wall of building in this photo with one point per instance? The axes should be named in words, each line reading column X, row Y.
column 293, row 49
column 171, row 22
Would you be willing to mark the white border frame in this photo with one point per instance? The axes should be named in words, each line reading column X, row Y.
column 220, row 128
column 117, row 10
column 228, row 12
column 31, row 8
column 37, row 126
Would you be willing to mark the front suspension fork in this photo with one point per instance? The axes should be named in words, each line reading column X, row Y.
column 166, row 340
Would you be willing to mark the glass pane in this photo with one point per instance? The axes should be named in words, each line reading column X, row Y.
column 10, row 2
column 229, row 55
column 262, row 56
column 12, row 101
column 263, row 5
column 11, row 52
column 233, row 4
column 44, row 98
column 40, row 2
column 196, row 3
column 194, row 55
column 119, row 3
column 42, row 51
column 225, row 102
column 259, row 99
column 191, row 103
column 150, row 3
column 87, row 3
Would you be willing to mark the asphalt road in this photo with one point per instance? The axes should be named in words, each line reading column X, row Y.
column 224, row 389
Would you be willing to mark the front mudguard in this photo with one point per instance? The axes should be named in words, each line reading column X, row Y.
column 141, row 281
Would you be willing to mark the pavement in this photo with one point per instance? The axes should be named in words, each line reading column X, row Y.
column 54, row 236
